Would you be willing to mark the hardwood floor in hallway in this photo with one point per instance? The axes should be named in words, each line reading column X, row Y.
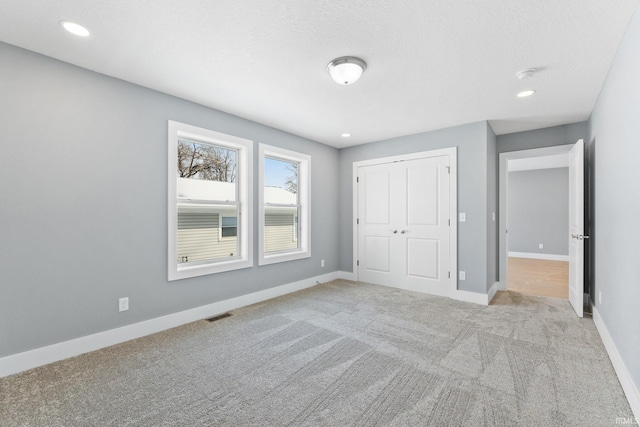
column 539, row 277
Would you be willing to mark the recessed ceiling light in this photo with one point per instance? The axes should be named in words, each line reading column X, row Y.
column 526, row 93
column 74, row 28
column 346, row 135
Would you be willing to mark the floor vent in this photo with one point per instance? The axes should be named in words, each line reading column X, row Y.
column 222, row 316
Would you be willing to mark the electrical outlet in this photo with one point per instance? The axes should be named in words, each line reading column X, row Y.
column 123, row 304
column 463, row 217
column 540, row 246
column 493, row 216
column 321, row 263
column 462, row 275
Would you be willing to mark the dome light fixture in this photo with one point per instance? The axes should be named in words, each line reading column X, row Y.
column 346, row 69
column 74, row 28
column 346, row 135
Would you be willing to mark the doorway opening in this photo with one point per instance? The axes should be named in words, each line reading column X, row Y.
column 575, row 199
column 538, row 225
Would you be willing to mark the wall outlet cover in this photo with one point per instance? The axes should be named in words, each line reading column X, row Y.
column 123, row 304
column 462, row 275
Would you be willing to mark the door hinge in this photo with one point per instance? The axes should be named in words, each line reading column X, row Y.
column 357, row 220
column 357, row 179
column 358, row 263
column 449, row 222
column 448, row 169
column 448, row 274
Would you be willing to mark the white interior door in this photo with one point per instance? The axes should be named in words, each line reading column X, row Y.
column 403, row 224
column 576, row 227
column 375, row 225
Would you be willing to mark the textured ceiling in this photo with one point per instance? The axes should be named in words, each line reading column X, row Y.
column 431, row 63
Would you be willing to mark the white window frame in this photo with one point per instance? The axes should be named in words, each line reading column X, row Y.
column 304, row 201
column 244, row 182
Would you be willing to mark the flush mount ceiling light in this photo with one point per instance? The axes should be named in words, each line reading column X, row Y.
column 75, row 29
column 525, row 74
column 346, row 69
column 526, row 93
column 346, row 135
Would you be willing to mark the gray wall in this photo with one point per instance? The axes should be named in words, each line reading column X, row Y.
column 83, row 204
column 614, row 132
column 539, row 138
column 538, row 211
column 471, row 141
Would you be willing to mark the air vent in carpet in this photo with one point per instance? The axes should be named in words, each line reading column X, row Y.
column 222, row 316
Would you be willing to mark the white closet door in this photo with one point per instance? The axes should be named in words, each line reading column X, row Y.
column 403, row 224
column 425, row 212
column 375, row 225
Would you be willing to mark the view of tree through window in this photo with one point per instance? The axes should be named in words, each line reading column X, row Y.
column 207, row 202
column 207, row 162
column 281, row 205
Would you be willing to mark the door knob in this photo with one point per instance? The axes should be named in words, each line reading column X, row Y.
column 403, row 231
column 395, row 231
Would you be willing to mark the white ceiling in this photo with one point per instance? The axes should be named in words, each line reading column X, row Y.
column 431, row 63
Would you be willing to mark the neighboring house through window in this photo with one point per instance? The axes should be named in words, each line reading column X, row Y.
column 284, row 205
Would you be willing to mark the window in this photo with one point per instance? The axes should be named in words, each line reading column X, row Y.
column 284, row 205
column 210, row 224
column 229, row 226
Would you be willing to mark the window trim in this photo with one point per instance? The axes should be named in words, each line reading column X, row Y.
column 244, row 164
column 304, row 202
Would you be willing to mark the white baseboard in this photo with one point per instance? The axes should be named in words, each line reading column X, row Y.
column 550, row 257
column 492, row 292
column 476, row 298
column 473, row 297
column 629, row 387
column 15, row 363
column 347, row 275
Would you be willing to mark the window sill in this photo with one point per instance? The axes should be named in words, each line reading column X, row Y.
column 283, row 257
column 184, row 272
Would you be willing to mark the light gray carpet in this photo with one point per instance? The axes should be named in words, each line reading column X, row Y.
column 339, row 354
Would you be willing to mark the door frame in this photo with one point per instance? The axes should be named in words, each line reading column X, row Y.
column 452, row 152
column 503, row 183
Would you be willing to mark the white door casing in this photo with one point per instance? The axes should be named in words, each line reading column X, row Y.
column 576, row 227
column 403, row 229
